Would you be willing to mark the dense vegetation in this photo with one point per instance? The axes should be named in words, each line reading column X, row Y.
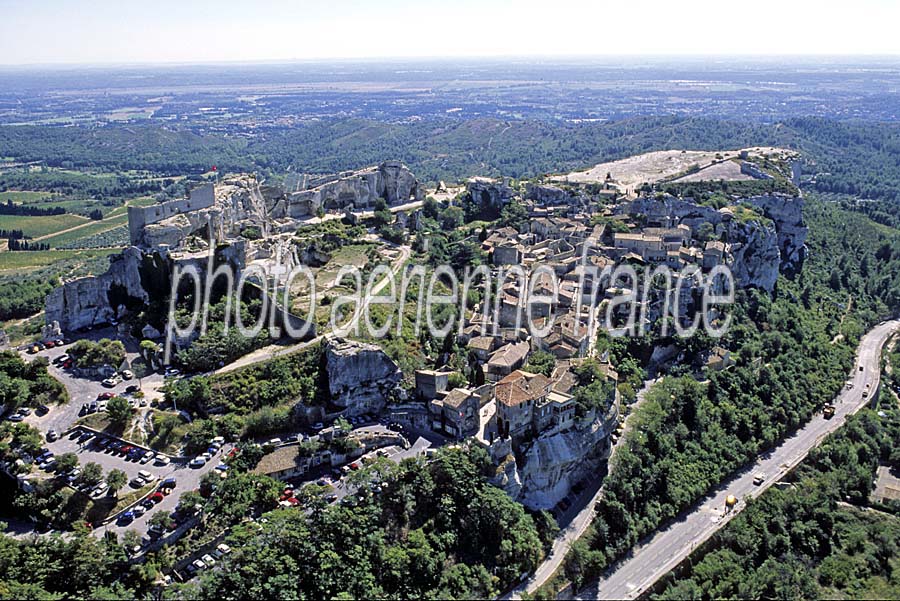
column 859, row 158
column 435, row 531
column 792, row 354
column 27, row 384
column 804, row 541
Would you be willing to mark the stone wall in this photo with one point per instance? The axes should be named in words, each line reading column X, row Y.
column 140, row 217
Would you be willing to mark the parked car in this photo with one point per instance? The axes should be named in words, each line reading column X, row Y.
column 127, row 374
column 42, row 410
column 127, row 517
column 148, row 456
column 208, row 559
column 105, row 396
column 222, row 550
column 16, row 417
column 26, row 411
column 132, row 388
column 161, row 460
column 110, row 382
column 52, row 435
column 198, row 461
column 139, row 510
column 156, row 497
column 198, row 565
column 168, row 483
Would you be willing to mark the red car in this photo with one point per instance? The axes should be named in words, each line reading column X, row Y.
column 49, row 344
column 105, row 396
column 157, row 497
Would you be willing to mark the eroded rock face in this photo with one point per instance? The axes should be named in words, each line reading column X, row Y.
column 555, row 463
column 545, row 194
column 391, row 181
column 489, row 192
column 755, row 259
column 93, row 300
column 787, row 214
column 361, row 377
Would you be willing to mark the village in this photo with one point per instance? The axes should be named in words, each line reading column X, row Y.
column 532, row 380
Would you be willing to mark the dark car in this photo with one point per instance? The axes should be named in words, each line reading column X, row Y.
column 132, row 389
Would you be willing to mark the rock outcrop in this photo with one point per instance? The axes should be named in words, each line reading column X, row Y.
column 760, row 248
column 755, row 259
column 487, row 192
column 94, row 300
column 547, row 195
column 554, row 463
column 787, row 214
column 361, row 377
column 391, row 181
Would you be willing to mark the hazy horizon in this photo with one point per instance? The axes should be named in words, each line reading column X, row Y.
column 105, row 33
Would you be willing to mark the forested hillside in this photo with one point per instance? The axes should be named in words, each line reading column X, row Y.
column 854, row 158
column 807, row 541
column 792, row 354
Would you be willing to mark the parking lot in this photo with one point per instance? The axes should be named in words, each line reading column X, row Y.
column 85, row 390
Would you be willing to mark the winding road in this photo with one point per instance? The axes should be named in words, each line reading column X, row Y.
column 656, row 556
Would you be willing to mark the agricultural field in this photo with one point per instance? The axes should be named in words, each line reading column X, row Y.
column 24, row 261
column 26, row 196
column 41, row 226
column 118, row 218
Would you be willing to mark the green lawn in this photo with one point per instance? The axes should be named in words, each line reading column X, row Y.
column 40, row 226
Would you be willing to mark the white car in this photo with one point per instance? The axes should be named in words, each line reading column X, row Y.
column 222, row 550
column 147, row 457
column 198, row 461
column 198, row 565
column 162, row 460
column 127, row 374
column 274, row 442
column 209, row 560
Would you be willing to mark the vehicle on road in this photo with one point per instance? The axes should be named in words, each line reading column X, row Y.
column 758, row 479
column 132, row 388
column 828, row 412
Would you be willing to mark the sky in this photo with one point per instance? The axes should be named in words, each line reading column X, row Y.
column 188, row 31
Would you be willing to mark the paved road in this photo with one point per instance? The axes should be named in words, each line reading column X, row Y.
column 84, row 390
column 661, row 553
column 582, row 512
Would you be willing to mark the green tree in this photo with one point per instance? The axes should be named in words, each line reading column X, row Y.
column 119, row 411
column 66, row 462
column 92, row 473
column 116, row 479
